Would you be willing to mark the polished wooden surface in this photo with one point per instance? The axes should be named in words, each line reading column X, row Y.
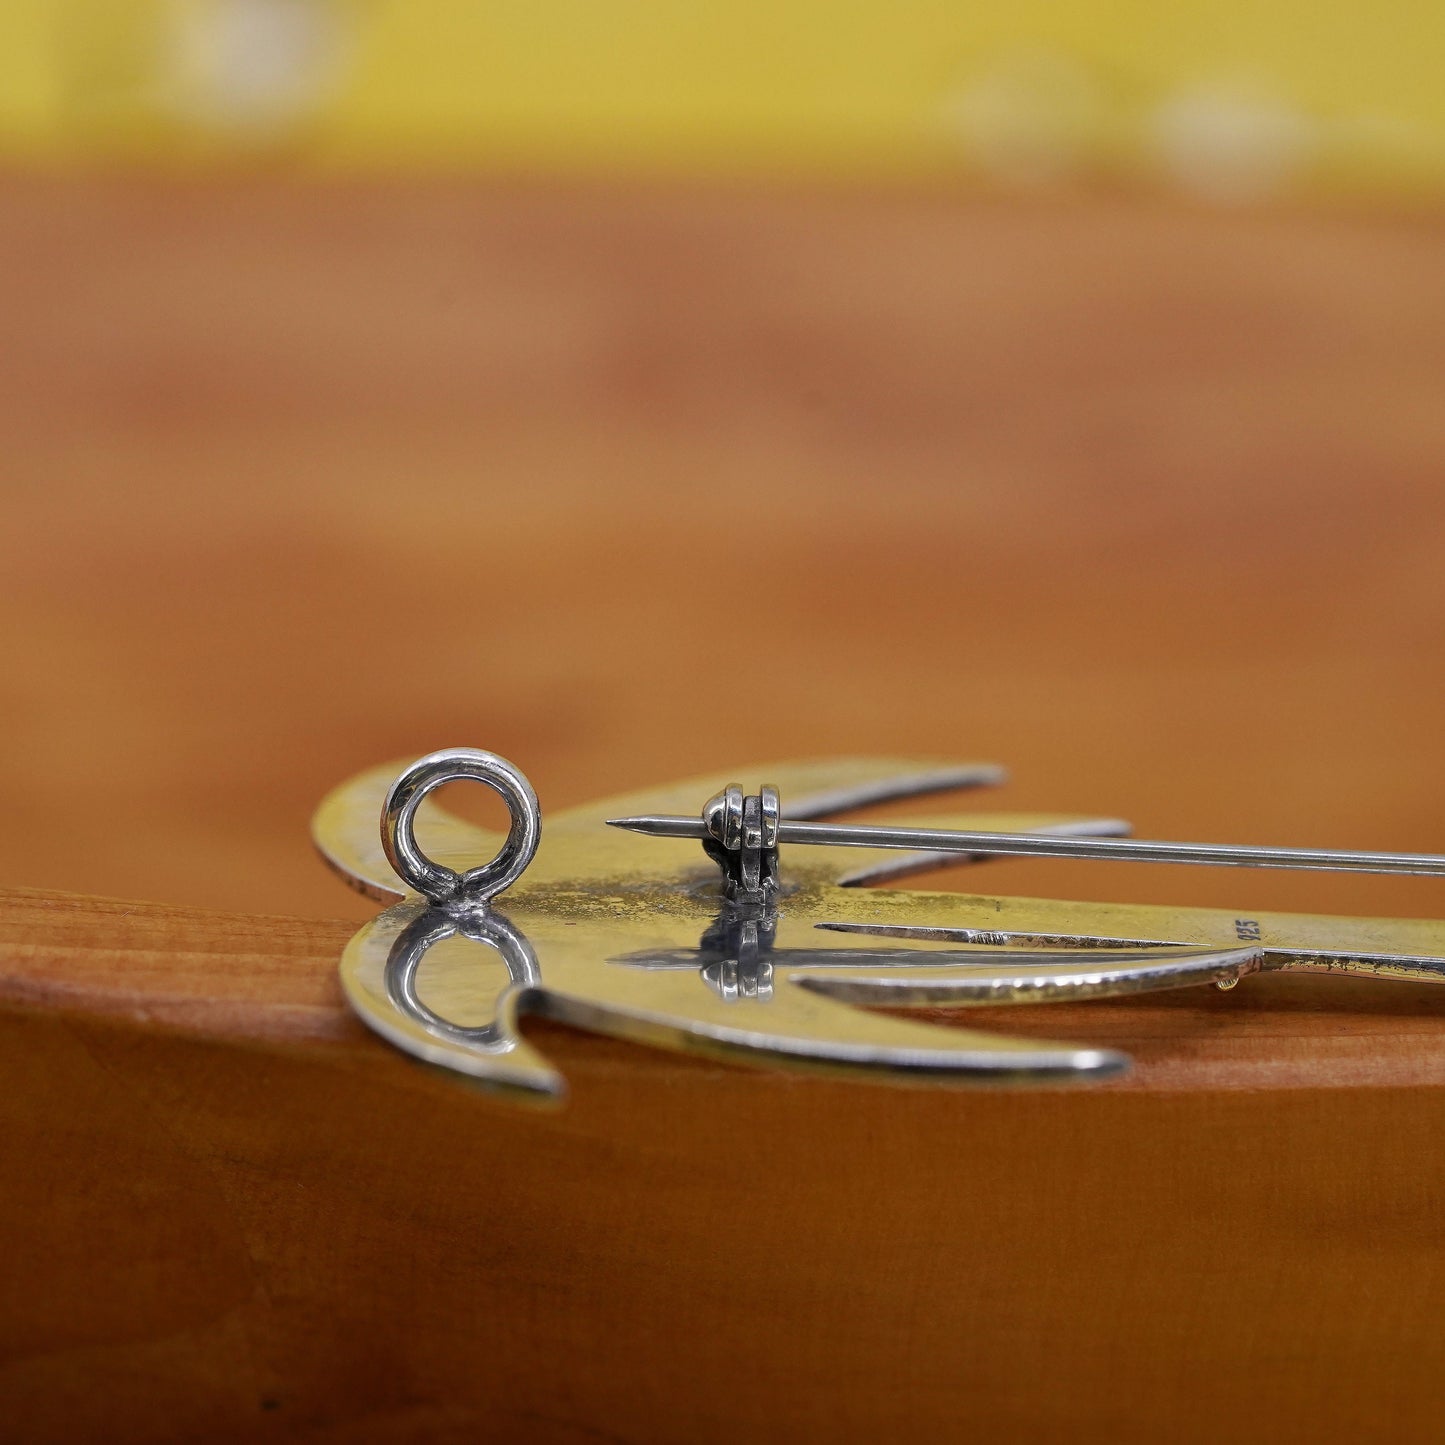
column 243, row 1218
column 626, row 483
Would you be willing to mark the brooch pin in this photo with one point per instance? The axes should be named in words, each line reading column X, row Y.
column 772, row 957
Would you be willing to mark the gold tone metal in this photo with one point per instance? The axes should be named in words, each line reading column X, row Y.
column 631, row 935
column 624, row 935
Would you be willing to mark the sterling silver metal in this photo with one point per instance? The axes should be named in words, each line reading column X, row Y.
column 952, row 840
column 434, row 880
column 773, row 965
column 586, row 923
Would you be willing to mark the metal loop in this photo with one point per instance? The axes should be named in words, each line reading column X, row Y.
column 435, row 881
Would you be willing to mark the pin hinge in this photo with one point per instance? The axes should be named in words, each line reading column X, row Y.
column 740, row 834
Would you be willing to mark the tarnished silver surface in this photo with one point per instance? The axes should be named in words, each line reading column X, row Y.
column 919, row 848
column 635, row 936
column 623, row 936
column 588, row 974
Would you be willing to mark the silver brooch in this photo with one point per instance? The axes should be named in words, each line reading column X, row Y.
column 759, row 946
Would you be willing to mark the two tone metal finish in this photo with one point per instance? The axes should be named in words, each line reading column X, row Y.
column 774, row 957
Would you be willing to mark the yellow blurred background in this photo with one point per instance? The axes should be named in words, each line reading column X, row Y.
column 1224, row 99
column 640, row 390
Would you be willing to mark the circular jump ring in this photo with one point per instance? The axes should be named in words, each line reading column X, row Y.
column 433, row 880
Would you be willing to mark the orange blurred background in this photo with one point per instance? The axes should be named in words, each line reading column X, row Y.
column 637, row 428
